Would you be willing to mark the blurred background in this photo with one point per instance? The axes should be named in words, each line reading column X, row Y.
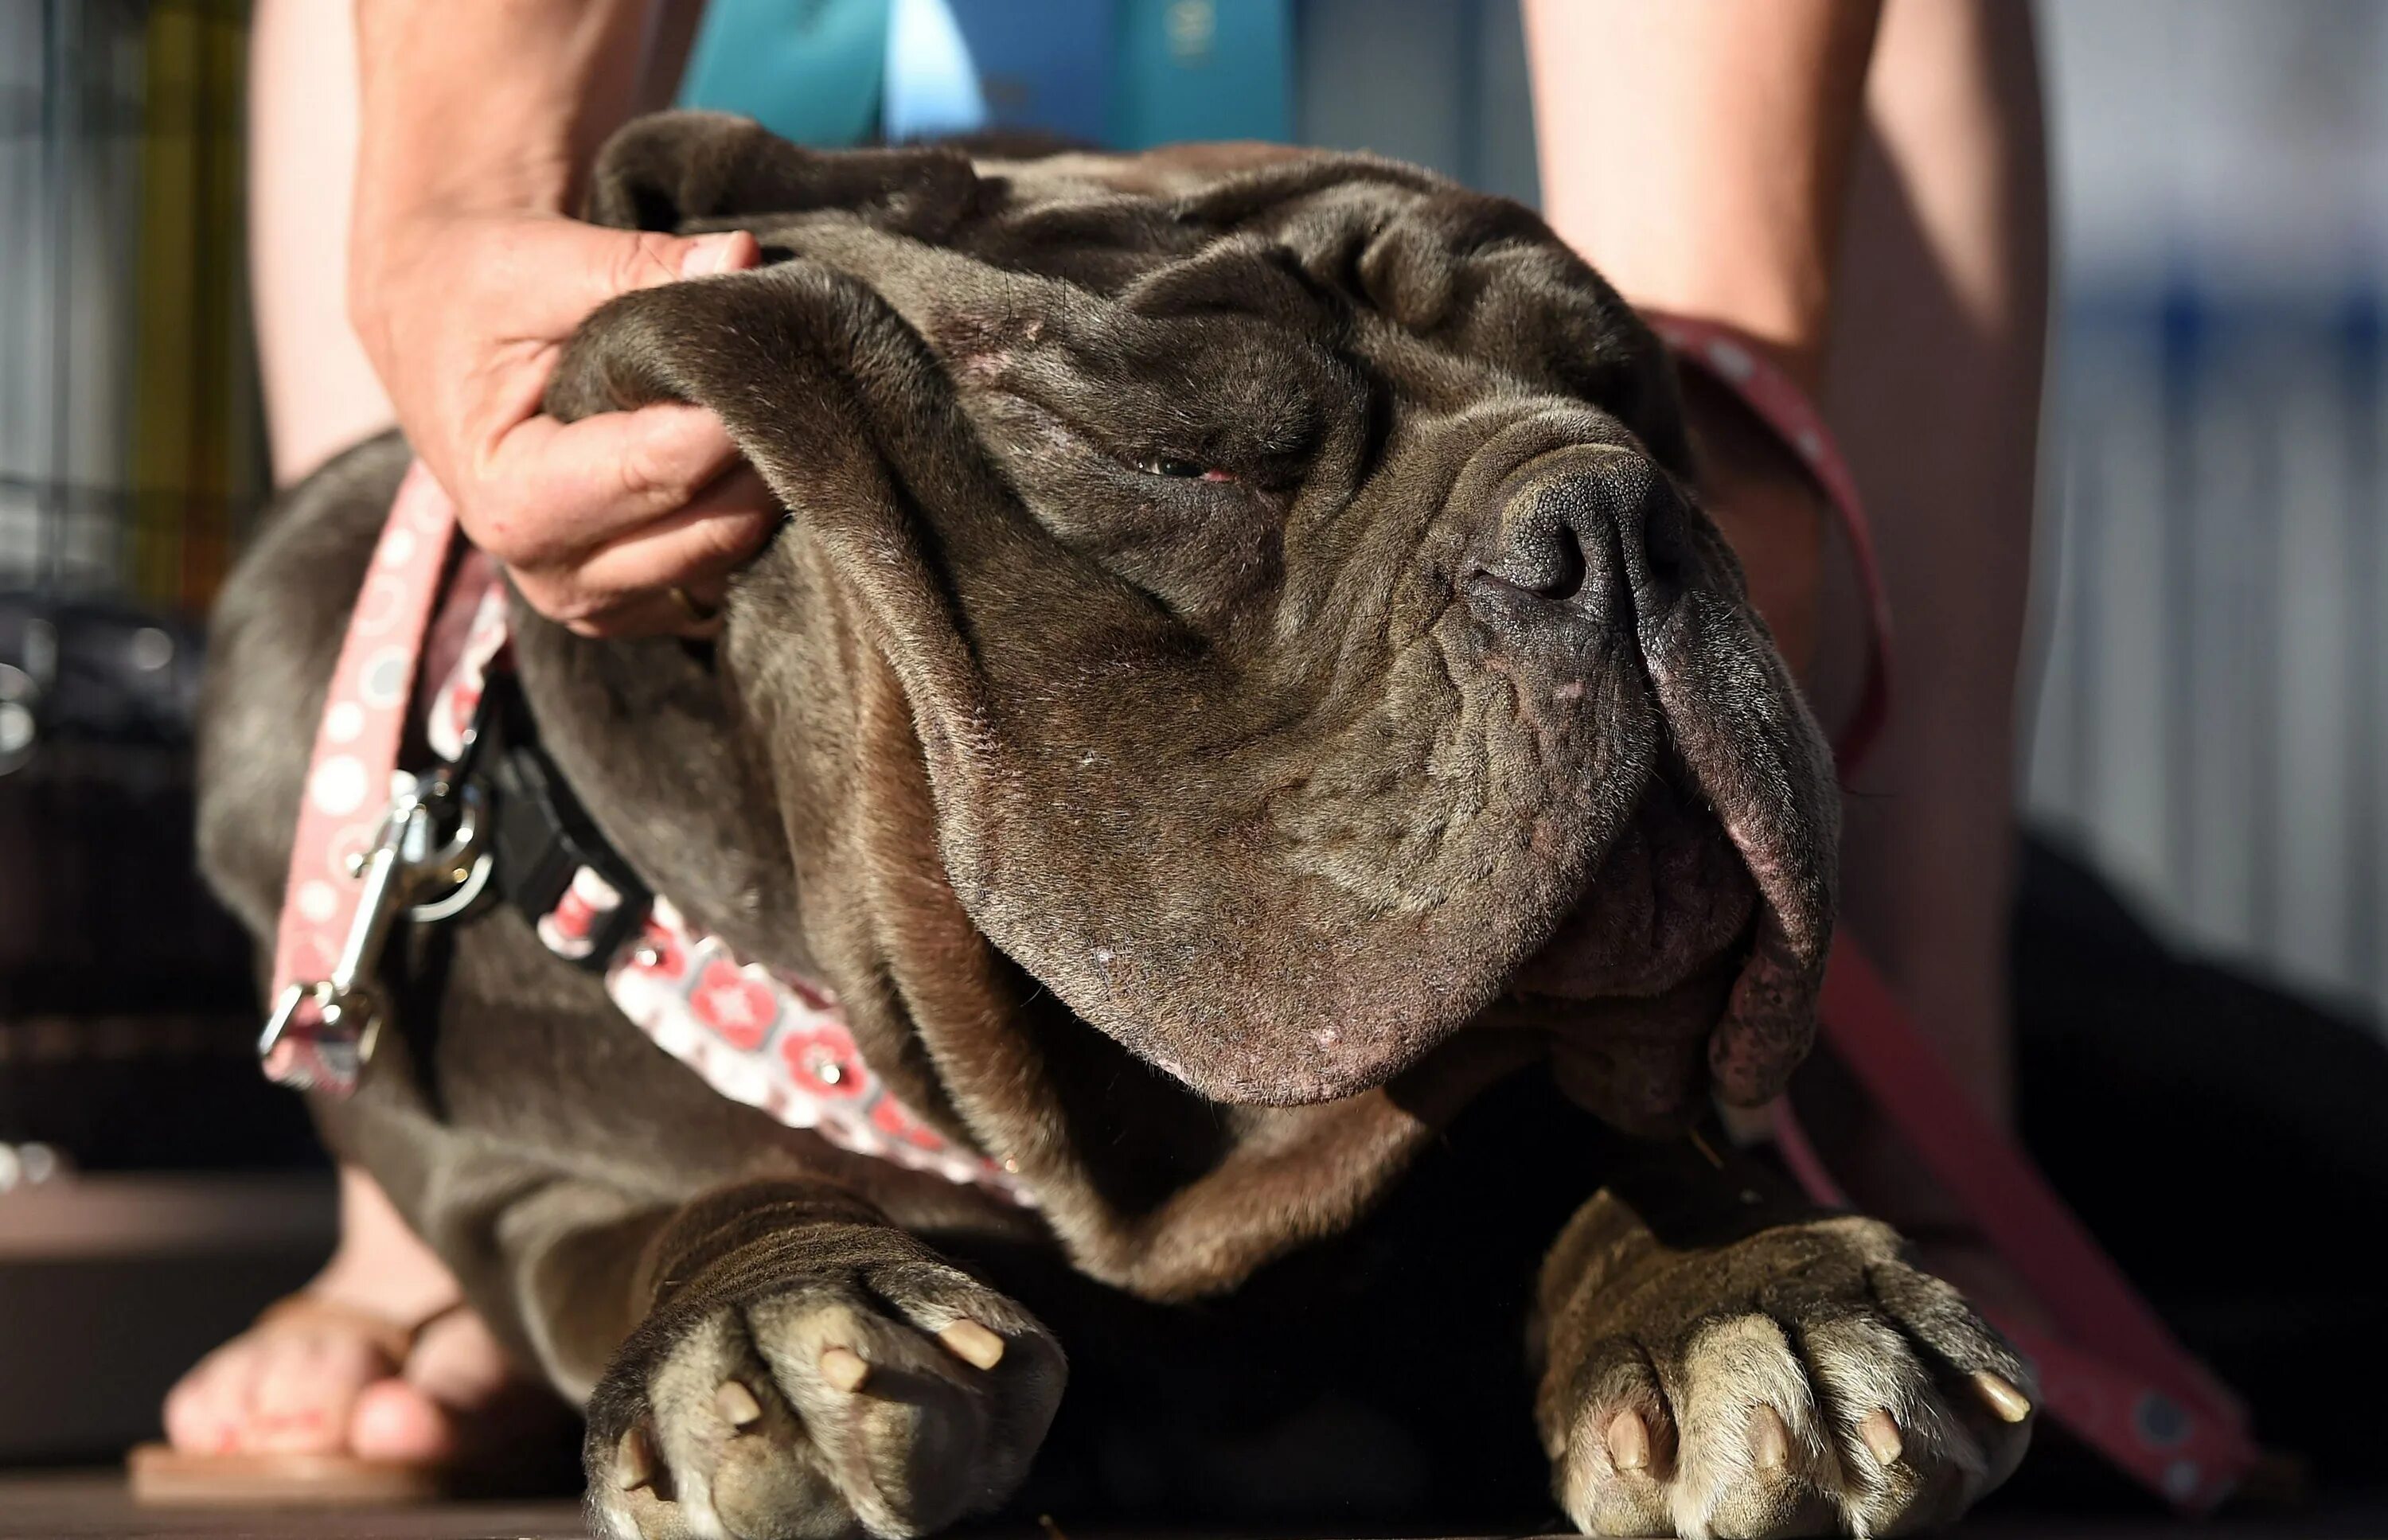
column 2206, row 721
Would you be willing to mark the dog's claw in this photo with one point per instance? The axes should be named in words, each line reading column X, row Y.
column 1880, row 1432
column 1770, row 1441
column 737, row 1405
column 973, row 1343
column 1629, row 1442
column 634, row 1459
column 2011, row 1404
column 844, row 1368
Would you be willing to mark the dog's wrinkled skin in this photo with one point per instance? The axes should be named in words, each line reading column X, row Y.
column 1242, row 675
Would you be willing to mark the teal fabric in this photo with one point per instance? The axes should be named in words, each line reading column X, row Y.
column 1148, row 71
column 1045, row 64
column 810, row 71
column 932, row 82
column 1202, row 70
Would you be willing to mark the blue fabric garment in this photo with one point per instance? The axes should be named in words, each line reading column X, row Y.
column 810, row 71
column 1044, row 64
column 932, row 80
column 1202, row 70
column 1128, row 73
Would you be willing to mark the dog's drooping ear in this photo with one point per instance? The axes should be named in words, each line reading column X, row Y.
column 1741, row 727
column 686, row 173
column 842, row 408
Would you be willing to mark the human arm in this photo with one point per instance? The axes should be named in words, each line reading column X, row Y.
column 477, row 119
column 1698, row 154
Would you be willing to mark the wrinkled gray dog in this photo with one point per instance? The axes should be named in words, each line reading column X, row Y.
column 1242, row 707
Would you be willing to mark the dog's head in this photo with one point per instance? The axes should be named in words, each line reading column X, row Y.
column 1289, row 569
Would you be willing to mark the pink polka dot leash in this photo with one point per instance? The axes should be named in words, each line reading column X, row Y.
column 350, row 863
column 762, row 1037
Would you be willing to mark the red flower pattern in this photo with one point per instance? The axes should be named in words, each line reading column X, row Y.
column 670, row 961
column 741, row 1010
column 822, row 1060
column 892, row 1117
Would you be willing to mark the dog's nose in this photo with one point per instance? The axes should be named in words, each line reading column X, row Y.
column 1554, row 551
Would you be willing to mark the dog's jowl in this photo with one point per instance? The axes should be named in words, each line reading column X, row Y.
column 1250, row 724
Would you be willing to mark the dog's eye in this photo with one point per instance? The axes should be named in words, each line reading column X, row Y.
column 1181, row 469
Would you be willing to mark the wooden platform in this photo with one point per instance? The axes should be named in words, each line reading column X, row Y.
column 92, row 1505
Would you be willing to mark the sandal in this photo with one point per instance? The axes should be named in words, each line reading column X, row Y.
column 164, row 1476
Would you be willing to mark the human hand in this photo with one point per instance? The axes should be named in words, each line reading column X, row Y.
column 623, row 524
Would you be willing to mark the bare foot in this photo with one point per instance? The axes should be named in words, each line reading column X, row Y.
column 343, row 1367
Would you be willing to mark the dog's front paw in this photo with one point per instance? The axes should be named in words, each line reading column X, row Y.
column 1804, row 1380
column 841, row 1381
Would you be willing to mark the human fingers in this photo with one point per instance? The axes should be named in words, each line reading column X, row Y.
column 556, row 493
column 667, row 577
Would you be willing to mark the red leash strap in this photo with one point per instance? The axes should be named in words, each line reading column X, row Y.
column 1727, row 355
column 2116, row 1377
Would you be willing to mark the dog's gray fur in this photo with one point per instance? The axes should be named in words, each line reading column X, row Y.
column 1201, row 846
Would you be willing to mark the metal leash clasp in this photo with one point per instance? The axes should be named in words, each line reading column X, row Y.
column 430, row 860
